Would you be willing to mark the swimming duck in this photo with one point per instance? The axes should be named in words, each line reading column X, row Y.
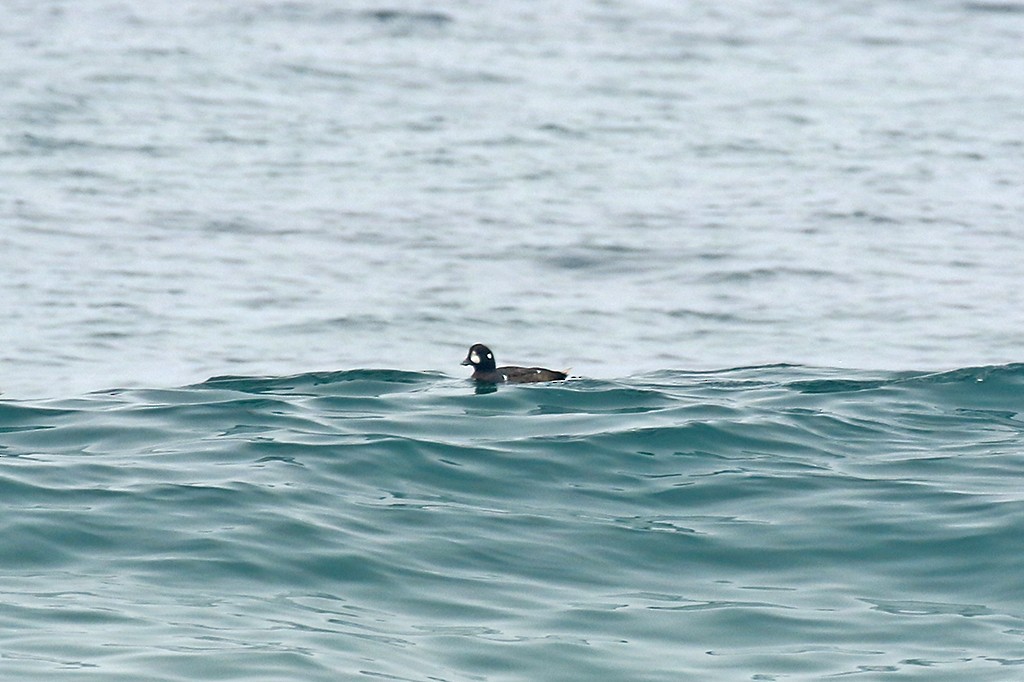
column 481, row 359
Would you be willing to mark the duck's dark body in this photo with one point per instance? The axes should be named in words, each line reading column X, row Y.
column 481, row 359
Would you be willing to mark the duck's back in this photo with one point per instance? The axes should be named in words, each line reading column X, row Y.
column 527, row 375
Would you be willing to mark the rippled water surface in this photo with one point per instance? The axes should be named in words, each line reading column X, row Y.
column 778, row 242
column 192, row 189
column 763, row 523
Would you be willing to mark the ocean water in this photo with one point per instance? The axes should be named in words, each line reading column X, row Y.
column 763, row 523
column 244, row 246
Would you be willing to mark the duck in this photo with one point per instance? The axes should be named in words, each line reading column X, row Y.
column 481, row 359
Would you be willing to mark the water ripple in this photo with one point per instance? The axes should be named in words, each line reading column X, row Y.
column 361, row 515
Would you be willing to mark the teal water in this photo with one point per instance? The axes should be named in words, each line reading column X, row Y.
column 763, row 523
column 800, row 190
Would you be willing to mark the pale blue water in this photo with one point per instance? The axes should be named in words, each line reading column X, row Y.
column 332, row 201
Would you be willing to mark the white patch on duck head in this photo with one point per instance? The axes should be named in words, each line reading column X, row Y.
column 474, row 358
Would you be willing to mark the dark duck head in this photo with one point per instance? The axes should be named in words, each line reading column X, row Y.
column 480, row 357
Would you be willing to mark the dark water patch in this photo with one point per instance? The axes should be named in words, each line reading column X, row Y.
column 716, row 315
column 594, row 257
column 27, row 417
column 995, row 7
column 32, row 143
column 360, row 382
column 769, row 274
column 303, row 12
column 836, row 385
column 334, row 76
column 393, row 16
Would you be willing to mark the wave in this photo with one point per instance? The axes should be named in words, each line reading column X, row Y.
column 776, row 408
column 383, row 521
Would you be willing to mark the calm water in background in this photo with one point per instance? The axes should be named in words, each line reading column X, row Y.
column 652, row 193
column 193, row 189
